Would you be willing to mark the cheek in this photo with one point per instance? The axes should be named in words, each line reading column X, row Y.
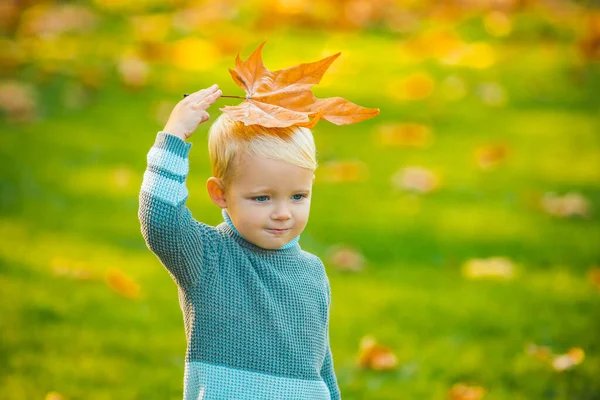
column 254, row 214
column 303, row 212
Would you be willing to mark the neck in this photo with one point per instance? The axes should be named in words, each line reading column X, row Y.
column 230, row 223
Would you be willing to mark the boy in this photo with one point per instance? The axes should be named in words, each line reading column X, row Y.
column 255, row 306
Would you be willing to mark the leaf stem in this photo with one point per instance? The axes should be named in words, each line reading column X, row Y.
column 234, row 97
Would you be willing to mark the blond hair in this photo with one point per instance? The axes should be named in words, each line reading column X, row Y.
column 229, row 139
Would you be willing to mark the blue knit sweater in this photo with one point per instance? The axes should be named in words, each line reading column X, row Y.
column 256, row 320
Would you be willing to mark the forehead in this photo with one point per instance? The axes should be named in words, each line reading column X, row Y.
column 262, row 173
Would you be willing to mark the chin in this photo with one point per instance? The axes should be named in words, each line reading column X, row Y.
column 273, row 244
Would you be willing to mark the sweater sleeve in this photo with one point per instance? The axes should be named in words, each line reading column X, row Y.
column 181, row 243
column 327, row 370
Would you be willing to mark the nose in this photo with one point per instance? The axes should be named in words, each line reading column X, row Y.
column 281, row 212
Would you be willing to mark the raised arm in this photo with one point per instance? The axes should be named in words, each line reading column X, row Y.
column 182, row 244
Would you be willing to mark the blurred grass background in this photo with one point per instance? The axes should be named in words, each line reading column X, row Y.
column 459, row 227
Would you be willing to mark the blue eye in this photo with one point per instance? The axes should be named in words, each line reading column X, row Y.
column 298, row 196
column 261, row 199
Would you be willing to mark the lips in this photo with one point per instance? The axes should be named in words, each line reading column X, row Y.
column 278, row 231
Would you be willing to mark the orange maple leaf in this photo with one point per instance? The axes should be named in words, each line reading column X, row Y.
column 122, row 284
column 375, row 356
column 283, row 98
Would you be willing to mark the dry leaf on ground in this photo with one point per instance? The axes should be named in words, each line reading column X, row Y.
column 346, row 258
column 570, row 204
column 54, row 396
column 558, row 362
column 122, row 284
column 594, row 276
column 404, row 135
column 416, row 179
column 490, row 156
column 493, row 267
column 342, row 171
column 462, row 391
column 374, row 356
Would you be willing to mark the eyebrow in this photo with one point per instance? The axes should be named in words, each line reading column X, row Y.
column 268, row 190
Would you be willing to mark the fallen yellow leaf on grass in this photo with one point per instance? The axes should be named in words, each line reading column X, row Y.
column 563, row 362
column 416, row 86
column 122, row 284
column 478, row 55
column 461, row 391
column 79, row 270
column 195, row 54
column 150, row 28
column 13, row 54
column 493, row 267
column 492, row 94
column 594, row 276
column 489, row 157
column 54, row 396
column 375, row 356
column 19, row 101
column 565, row 206
column 404, row 135
column 439, row 43
column 342, row 171
column 589, row 43
column 346, row 258
column 558, row 362
column 48, row 20
column 497, row 23
column 133, row 71
column 415, row 179
column 542, row 353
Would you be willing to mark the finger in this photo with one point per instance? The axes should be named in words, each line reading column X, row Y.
column 208, row 100
column 194, row 97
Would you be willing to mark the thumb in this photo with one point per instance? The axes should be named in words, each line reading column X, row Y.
column 204, row 116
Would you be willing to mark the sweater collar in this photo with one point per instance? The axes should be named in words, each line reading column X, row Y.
column 292, row 244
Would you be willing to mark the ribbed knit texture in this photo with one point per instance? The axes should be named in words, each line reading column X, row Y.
column 256, row 320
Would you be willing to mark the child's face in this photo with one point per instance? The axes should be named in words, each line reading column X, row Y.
column 268, row 201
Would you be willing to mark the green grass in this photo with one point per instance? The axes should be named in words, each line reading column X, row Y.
column 59, row 199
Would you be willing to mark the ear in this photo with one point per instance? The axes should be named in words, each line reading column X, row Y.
column 216, row 191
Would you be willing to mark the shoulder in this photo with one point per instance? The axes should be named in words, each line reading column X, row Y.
column 319, row 271
column 207, row 231
column 316, row 263
column 204, row 236
column 312, row 258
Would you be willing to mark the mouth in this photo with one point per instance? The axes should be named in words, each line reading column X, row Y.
column 277, row 231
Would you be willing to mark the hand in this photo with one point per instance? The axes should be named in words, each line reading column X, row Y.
column 191, row 111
